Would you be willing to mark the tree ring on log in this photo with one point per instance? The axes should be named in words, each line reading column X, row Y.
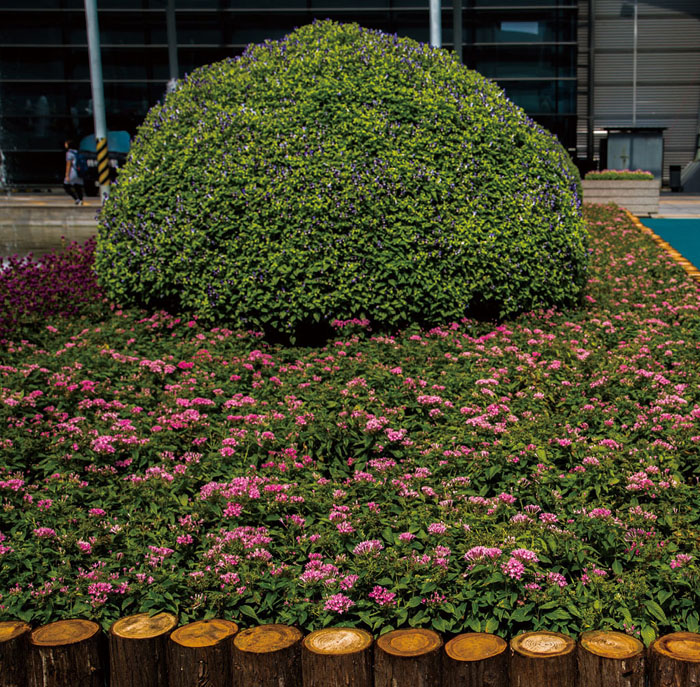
column 409, row 642
column 203, row 633
column 267, row 638
column 475, row 646
column 336, row 641
column 542, row 644
column 144, row 626
column 64, row 632
column 680, row 646
column 11, row 629
column 615, row 645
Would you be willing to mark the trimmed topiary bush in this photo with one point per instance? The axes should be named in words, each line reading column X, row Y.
column 342, row 173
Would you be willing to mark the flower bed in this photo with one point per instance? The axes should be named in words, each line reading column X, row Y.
column 537, row 474
column 619, row 175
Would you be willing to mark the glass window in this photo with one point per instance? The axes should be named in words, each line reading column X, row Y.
column 523, row 61
column 133, row 28
column 30, row 28
column 542, row 97
column 520, row 27
column 519, row 3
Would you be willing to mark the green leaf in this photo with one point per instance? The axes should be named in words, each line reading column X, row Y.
column 491, row 625
column 656, row 611
column 617, row 567
column 648, row 635
column 248, row 611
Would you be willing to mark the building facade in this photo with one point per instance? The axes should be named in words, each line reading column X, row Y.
column 558, row 59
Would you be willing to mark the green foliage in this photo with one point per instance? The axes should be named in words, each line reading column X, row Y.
column 342, row 173
column 620, row 175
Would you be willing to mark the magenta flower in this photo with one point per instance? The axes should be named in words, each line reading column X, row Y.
column 382, row 596
column 369, row 546
column 338, row 603
column 479, row 553
column 513, row 568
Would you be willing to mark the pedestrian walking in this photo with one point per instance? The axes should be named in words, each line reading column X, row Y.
column 72, row 181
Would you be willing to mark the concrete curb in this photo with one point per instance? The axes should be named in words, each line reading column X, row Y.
column 691, row 270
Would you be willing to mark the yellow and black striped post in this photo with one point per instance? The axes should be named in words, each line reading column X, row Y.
column 102, row 162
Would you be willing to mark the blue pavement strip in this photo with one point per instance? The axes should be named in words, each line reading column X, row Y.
column 682, row 234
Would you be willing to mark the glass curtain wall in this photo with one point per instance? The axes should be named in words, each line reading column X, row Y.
column 45, row 96
column 529, row 47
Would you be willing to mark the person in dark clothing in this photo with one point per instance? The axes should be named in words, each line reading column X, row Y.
column 72, row 183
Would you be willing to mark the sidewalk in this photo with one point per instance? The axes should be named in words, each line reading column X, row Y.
column 37, row 223
column 679, row 206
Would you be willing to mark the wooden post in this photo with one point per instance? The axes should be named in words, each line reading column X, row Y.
column 675, row 660
column 610, row 659
column 475, row 659
column 408, row 658
column 67, row 653
column 137, row 646
column 542, row 659
column 267, row 656
column 337, row 657
column 14, row 636
column 200, row 654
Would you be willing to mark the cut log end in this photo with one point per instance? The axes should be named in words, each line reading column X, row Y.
column 267, row 638
column 542, row 644
column 64, row 632
column 144, row 626
column 337, row 641
column 409, row 642
column 203, row 633
column 11, row 629
column 475, row 646
column 614, row 645
column 680, row 646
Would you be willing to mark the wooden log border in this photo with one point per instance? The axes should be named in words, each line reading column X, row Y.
column 676, row 655
column 691, row 270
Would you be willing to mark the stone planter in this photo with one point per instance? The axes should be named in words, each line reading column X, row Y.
column 639, row 197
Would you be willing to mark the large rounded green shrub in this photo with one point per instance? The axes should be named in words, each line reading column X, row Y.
column 342, row 173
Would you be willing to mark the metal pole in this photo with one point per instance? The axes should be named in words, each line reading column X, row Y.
column 435, row 24
column 634, row 68
column 457, row 27
column 172, row 45
column 591, row 82
column 98, row 99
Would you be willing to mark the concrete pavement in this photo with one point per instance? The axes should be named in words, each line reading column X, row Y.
column 679, row 206
column 39, row 223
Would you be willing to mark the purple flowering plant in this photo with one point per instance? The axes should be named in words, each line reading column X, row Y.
column 540, row 473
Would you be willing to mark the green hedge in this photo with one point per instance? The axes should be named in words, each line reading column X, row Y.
column 342, row 173
column 620, row 175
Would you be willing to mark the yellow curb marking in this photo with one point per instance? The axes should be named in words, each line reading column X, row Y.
column 690, row 269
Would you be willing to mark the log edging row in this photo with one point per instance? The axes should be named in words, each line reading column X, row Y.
column 151, row 651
